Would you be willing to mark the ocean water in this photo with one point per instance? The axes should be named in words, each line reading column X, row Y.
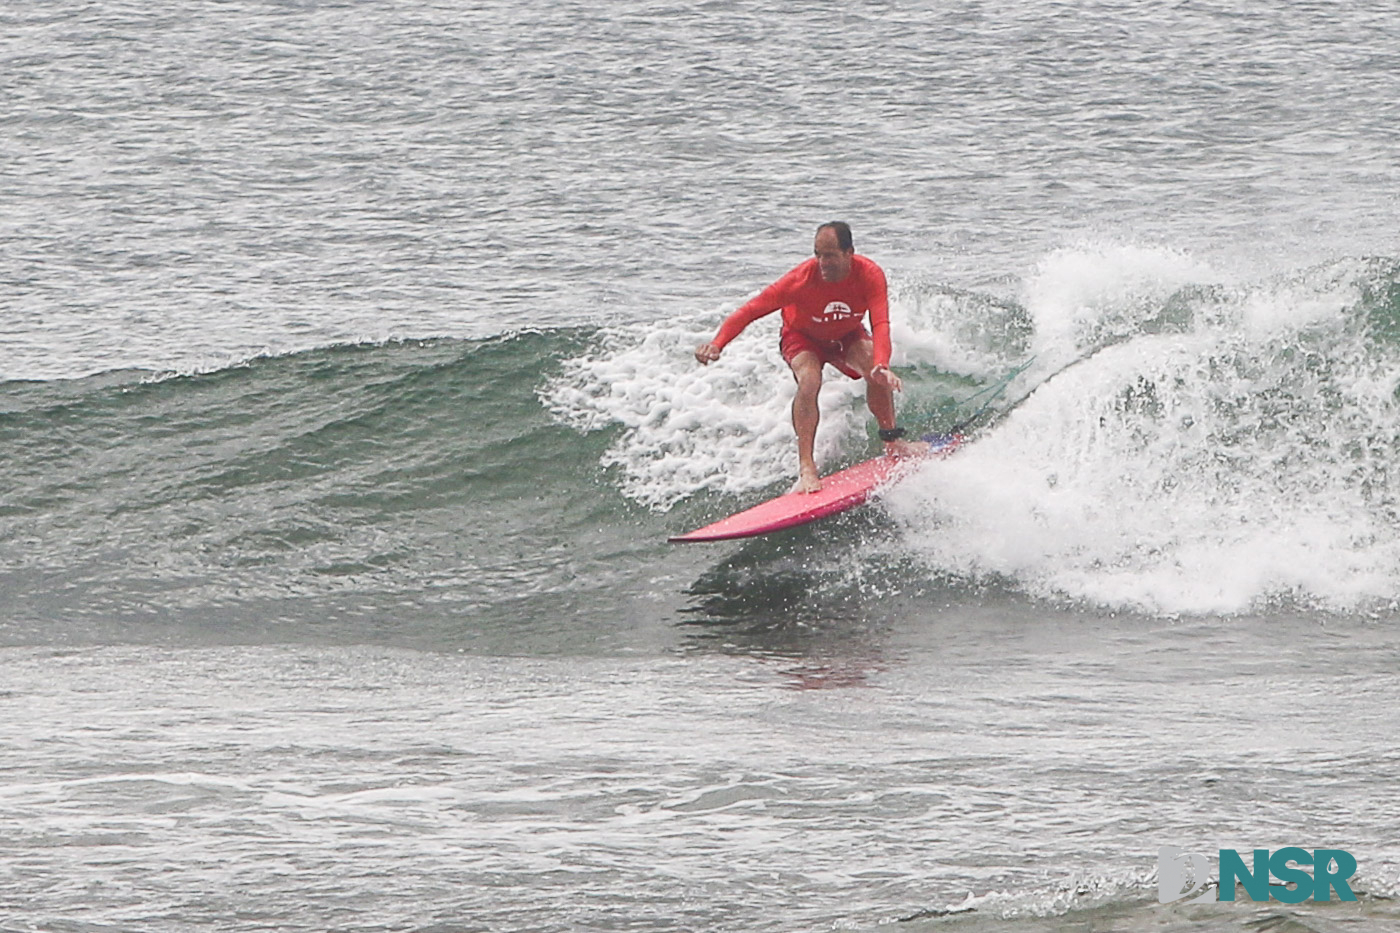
column 346, row 403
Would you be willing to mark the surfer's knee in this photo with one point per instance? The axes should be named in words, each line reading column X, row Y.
column 808, row 376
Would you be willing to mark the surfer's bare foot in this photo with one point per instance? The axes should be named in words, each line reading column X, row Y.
column 900, row 449
column 807, row 481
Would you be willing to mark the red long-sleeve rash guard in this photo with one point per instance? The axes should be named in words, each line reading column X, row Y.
column 822, row 310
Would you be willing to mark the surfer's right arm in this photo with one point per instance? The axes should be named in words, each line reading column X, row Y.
column 764, row 303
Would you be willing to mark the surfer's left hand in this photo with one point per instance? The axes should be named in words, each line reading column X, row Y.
column 884, row 376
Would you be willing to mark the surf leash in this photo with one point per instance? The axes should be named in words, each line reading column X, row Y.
column 993, row 392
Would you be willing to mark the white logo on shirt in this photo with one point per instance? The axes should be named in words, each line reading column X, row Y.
column 836, row 311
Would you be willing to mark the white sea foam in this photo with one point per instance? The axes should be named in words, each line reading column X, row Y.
column 1086, row 296
column 1248, row 456
column 956, row 331
column 685, row 427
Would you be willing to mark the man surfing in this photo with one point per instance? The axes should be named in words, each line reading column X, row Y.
column 824, row 301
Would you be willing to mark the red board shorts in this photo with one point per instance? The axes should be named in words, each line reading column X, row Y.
column 794, row 342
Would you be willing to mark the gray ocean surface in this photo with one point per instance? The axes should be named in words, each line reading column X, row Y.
column 346, row 405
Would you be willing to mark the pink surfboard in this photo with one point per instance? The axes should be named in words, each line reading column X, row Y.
column 840, row 491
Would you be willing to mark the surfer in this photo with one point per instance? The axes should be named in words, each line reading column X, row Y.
column 824, row 301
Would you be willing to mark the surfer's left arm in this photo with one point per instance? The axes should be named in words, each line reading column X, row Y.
column 879, row 300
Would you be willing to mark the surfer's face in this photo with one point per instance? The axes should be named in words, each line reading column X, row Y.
column 834, row 262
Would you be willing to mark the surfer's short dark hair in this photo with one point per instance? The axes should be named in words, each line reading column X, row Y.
column 843, row 234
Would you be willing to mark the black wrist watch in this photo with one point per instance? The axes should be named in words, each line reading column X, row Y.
column 891, row 434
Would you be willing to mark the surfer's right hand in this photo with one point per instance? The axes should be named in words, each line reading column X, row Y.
column 707, row 353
